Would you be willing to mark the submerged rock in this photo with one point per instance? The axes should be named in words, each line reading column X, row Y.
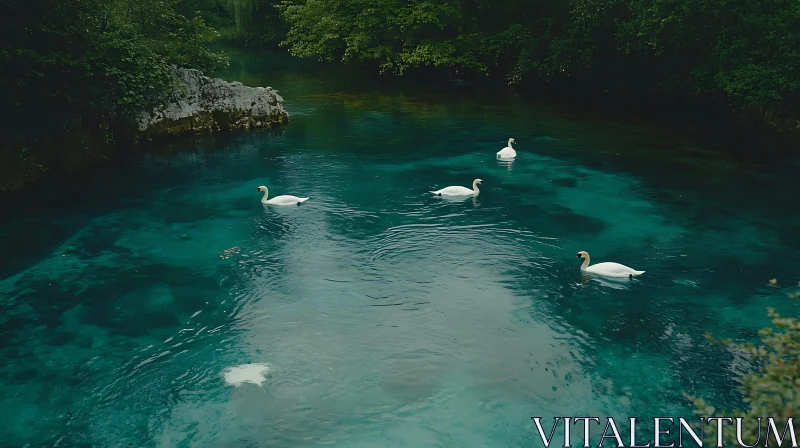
column 202, row 104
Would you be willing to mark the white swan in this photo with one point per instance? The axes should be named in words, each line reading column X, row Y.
column 508, row 152
column 607, row 269
column 280, row 200
column 460, row 191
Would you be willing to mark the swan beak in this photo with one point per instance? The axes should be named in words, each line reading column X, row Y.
column 579, row 256
column 258, row 189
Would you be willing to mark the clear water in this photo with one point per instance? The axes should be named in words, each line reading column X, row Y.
column 387, row 317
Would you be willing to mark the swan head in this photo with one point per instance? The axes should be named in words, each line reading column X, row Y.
column 262, row 188
column 478, row 181
column 511, row 140
column 583, row 254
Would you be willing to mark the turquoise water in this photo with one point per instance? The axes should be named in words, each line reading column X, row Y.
column 387, row 317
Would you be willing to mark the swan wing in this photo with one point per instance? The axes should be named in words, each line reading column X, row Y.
column 286, row 200
column 507, row 152
column 455, row 191
column 613, row 269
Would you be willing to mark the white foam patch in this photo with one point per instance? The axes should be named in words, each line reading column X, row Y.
column 246, row 373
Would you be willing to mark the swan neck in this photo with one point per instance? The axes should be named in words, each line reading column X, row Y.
column 266, row 193
column 585, row 262
column 475, row 187
column 509, row 143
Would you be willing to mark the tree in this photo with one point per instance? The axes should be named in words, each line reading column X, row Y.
column 81, row 69
column 770, row 389
column 738, row 53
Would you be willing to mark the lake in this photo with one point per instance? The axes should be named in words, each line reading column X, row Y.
column 387, row 316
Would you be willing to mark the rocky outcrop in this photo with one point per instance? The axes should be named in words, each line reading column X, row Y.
column 202, row 104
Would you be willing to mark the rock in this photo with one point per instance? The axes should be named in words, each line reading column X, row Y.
column 202, row 104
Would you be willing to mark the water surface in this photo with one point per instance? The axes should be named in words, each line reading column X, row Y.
column 388, row 317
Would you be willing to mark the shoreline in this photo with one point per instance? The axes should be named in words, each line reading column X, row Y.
column 721, row 134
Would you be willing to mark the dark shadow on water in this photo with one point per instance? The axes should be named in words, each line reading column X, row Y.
column 576, row 224
column 565, row 182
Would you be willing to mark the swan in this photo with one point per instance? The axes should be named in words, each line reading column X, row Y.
column 460, row 191
column 607, row 269
column 280, row 200
column 508, row 152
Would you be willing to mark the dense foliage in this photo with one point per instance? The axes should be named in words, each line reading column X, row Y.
column 82, row 68
column 241, row 22
column 769, row 390
column 741, row 53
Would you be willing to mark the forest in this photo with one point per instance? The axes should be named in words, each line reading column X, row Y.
column 74, row 72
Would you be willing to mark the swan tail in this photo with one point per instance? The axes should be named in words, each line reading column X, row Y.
column 635, row 273
column 301, row 200
column 436, row 193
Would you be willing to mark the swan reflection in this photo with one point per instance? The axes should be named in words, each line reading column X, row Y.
column 609, row 282
column 508, row 163
column 455, row 199
column 281, row 210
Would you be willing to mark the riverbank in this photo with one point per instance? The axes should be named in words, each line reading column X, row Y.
column 201, row 104
column 197, row 105
column 693, row 123
column 689, row 119
column 700, row 119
